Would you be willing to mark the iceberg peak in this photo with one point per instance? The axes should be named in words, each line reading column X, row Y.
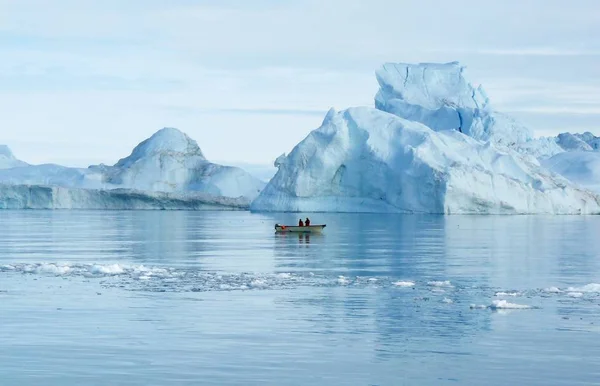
column 8, row 160
column 438, row 96
column 330, row 114
column 430, row 85
column 168, row 140
column 6, row 152
column 573, row 142
column 279, row 161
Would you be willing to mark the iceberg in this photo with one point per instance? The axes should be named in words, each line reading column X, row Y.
column 55, row 197
column 432, row 144
column 573, row 142
column 168, row 169
column 547, row 147
column 579, row 160
column 366, row 160
column 51, row 175
column 439, row 96
column 540, row 148
column 170, row 161
column 580, row 167
column 8, row 160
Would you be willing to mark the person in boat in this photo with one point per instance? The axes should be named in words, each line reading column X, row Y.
column 307, row 222
column 300, row 223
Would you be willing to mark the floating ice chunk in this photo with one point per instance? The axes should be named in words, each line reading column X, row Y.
column 507, row 293
column 448, row 300
column 54, row 269
column 552, row 290
column 445, row 283
column 404, row 284
column 503, row 304
column 112, row 269
column 258, row 283
column 592, row 287
column 575, row 294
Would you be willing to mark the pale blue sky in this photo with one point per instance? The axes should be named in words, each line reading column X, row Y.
column 84, row 81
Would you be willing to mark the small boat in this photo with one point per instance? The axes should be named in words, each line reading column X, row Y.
column 296, row 228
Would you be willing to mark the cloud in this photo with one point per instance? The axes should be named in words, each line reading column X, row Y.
column 543, row 96
column 320, row 113
column 99, row 77
column 541, row 51
column 568, row 110
column 523, row 51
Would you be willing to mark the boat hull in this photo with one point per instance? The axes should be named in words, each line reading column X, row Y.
column 298, row 229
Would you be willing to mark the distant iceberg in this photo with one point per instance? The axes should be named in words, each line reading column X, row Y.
column 54, row 197
column 170, row 161
column 580, row 167
column 584, row 142
column 578, row 160
column 167, row 162
column 433, row 144
column 547, row 147
column 8, row 160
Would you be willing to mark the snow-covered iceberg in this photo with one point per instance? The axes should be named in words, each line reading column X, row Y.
column 367, row 160
column 170, row 161
column 167, row 162
column 433, row 144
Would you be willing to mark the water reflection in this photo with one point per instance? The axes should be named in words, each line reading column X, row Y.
column 393, row 321
column 284, row 239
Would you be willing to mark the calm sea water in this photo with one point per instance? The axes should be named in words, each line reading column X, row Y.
column 168, row 298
